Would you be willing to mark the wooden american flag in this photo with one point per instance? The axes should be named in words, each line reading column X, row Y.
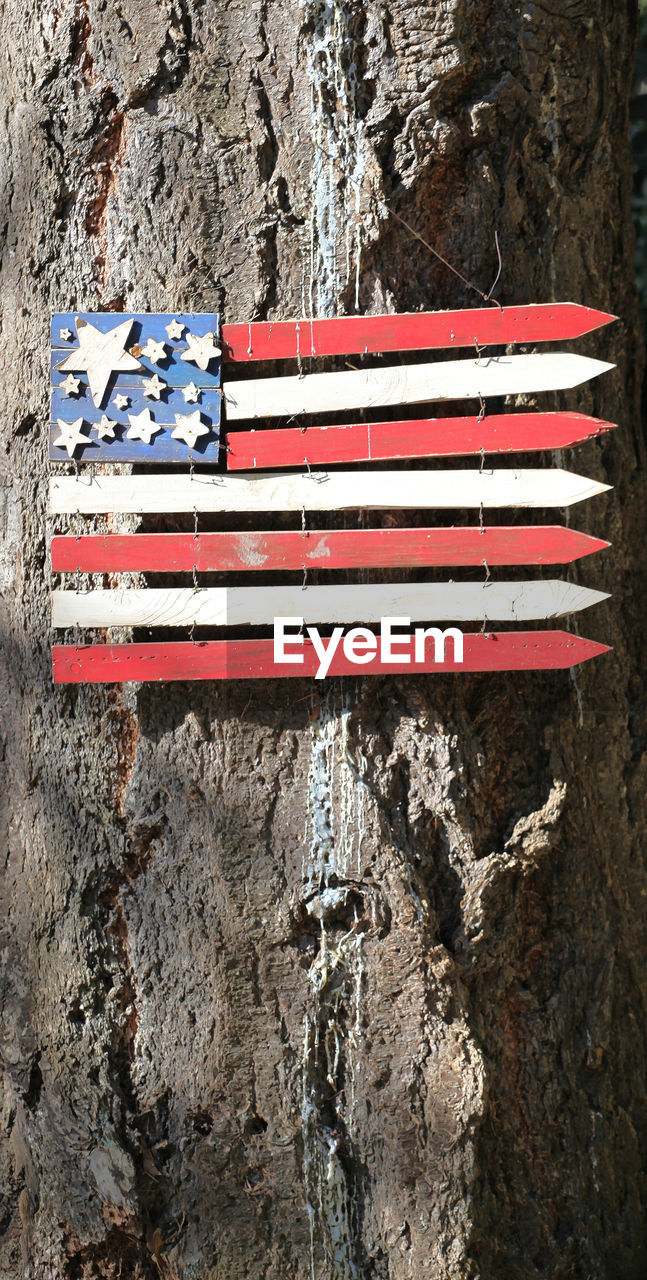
column 147, row 389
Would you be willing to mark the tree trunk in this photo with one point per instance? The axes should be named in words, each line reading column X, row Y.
column 303, row 980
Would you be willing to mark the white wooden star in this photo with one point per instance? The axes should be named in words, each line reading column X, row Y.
column 121, row 402
column 71, row 386
column 153, row 387
column 189, row 428
column 191, row 394
column 201, row 350
column 105, row 428
column 154, row 351
column 71, row 435
column 175, row 329
column 66, row 335
column 142, row 426
column 100, row 355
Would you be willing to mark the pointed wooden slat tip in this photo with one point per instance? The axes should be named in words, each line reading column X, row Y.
column 588, row 545
column 605, row 317
column 595, row 319
column 592, row 649
column 602, row 317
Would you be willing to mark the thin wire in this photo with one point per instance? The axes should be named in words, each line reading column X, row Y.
column 498, row 274
column 487, row 297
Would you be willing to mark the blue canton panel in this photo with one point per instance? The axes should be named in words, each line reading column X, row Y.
column 122, row 392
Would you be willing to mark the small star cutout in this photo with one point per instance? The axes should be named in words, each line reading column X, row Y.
column 201, row 350
column 154, row 351
column 191, row 394
column 175, row 329
column 122, row 402
column 188, row 428
column 71, row 386
column 71, row 435
column 105, row 428
column 153, row 387
column 142, row 426
column 66, row 335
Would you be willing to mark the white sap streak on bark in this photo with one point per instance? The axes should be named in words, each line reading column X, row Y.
column 338, row 162
column 336, row 826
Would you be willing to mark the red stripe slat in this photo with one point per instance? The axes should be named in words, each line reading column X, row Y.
column 253, row 659
column 320, row 549
column 420, row 438
column 272, row 340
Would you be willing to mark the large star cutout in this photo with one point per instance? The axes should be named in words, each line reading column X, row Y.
column 71, row 386
column 105, row 428
column 100, row 355
column 142, row 426
column 154, row 351
column 153, row 387
column 175, row 329
column 201, row 350
column 191, row 394
column 71, row 435
column 188, row 428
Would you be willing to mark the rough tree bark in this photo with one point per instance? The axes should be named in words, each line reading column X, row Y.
column 304, row 983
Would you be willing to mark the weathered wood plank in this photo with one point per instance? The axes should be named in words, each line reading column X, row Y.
column 258, row 606
column 174, row 371
column 420, row 438
column 320, row 549
column 146, row 324
column 408, row 384
column 320, row 491
column 162, row 448
column 272, row 340
column 254, row 659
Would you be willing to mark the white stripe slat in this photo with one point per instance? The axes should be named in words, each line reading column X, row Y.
column 253, row 606
column 408, row 384
column 320, row 491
